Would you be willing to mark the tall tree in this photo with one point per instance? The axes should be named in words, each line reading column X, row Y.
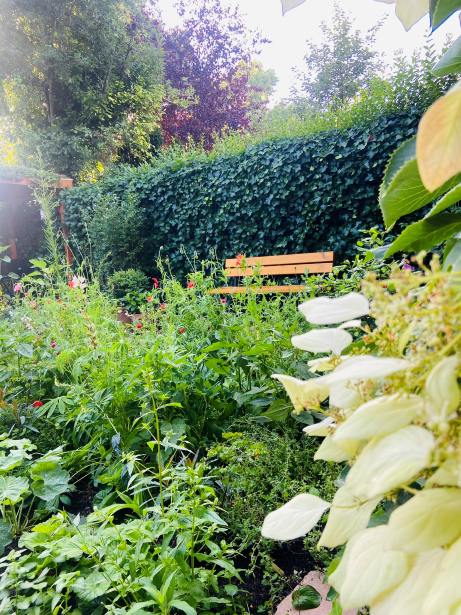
column 82, row 81
column 208, row 68
column 338, row 68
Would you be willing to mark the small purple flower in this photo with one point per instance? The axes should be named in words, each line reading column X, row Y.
column 408, row 267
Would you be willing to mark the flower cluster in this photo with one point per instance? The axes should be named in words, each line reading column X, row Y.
column 393, row 415
column 77, row 282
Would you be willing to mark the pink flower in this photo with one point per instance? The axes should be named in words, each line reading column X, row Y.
column 163, row 306
column 223, row 301
column 77, row 282
column 191, row 285
column 17, row 288
column 155, row 282
column 408, row 267
column 149, row 298
column 59, row 300
column 37, row 404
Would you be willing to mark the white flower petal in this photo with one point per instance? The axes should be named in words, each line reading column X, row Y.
column 338, row 577
column 342, row 395
column 351, row 324
column 325, row 311
column 432, row 518
column 408, row 598
column 323, row 340
column 329, row 451
column 442, row 389
column 448, row 474
column 320, row 429
column 446, row 588
column 380, row 416
column 295, row 518
column 372, row 569
column 363, row 368
column 387, row 463
column 304, row 394
column 348, row 515
column 323, row 364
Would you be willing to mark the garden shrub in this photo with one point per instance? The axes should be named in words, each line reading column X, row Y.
column 123, row 282
column 278, row 197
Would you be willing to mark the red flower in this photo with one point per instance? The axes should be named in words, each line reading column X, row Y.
column 149, row 298
column 240, row 258
column 59, row 300
column 53, row 345
column 37, row 340
column 181, row 330
column 163, row 306
column 72, row 284
column 155, row 282
column 223, row 300
column 27, row 294
column 139, row 325
column 191, row 285
column 37, row 404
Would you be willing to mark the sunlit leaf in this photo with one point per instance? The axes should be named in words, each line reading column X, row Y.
column 12, row 487
column 329, row 451
column 304, row 394
column 451, row 61
column 452, row 197
column 445, row 588
column 442, row 389
column 426, row 233
column 410, row 11
column 295, row 518
column 432, row 518
column 441, row 10
column 438, row 143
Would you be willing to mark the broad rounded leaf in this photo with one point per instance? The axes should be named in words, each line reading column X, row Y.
column 348, row 515
column 323, row 340
column 325, row 311
column 91, row 587
column 372, row 569
column 329, row 451
column 12, row 487
column 50, row 481
column 410, row 11
column 446, row 588
column 8, row 462
column 306, row 598
column 387, row 463
column 295, row 518
column 304, row 394
column 380, row 416
column 432, row 518
column 426, row 233
column 408, row 597
column 438, row 143
column 442, row 389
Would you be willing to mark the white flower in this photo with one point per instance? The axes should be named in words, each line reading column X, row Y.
column 363, row 368
column 323, row 340
column 320, row 429
column 325, row 311
column 304, row 394
column 295, row 518
column 350, row 324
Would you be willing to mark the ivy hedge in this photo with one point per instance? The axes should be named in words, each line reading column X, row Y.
column 278, row 197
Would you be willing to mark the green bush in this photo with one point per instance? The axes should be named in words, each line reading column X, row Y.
column 126, row 282
column 278, row 197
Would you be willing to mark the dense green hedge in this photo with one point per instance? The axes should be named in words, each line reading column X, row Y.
column 301, row 195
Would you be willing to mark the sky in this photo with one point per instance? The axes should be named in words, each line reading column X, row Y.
column 288, row 34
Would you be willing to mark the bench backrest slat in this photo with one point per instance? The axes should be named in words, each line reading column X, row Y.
column 285, row 259
column 282, row 269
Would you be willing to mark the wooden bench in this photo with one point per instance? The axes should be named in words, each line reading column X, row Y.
column 286, row 265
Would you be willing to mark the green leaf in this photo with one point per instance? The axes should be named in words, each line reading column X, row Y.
column 306, row 597
column 450, row 198
column 7, row 259
column 209, row 515
column 91, row 587
column 12, row 487
column 50, row 481
column 277, row 411
column 218, row 366
column 231, row 589
column 336, row 609
column 5, row 535
column 183, row 606
column 10, row 461
column 303, row 417
column 37, row 263
column 13, row 276
column 451, row 61
column 377, row 253
column 453, row 257
column 426, row 233
column 440, row 11
column 25, row 350
column 402, row 190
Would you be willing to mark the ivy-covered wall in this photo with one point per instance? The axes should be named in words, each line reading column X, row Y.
column 279, row 197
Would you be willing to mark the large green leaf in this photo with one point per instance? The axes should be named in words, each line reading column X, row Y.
column 306, row 597
column 50, row 481
column 277, row 411
column 26, row 350
column 450, row 198
column 12, row 487
column 402, row 190
column 440, row 10
column 426, row 233
column 91, row 587
column 451, row 61
column 8, row 462
column 183, row 606
column 453, row 257
column 5, row 535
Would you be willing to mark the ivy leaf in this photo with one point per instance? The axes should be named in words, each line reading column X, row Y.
column 306, row 597
column 438, row 142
